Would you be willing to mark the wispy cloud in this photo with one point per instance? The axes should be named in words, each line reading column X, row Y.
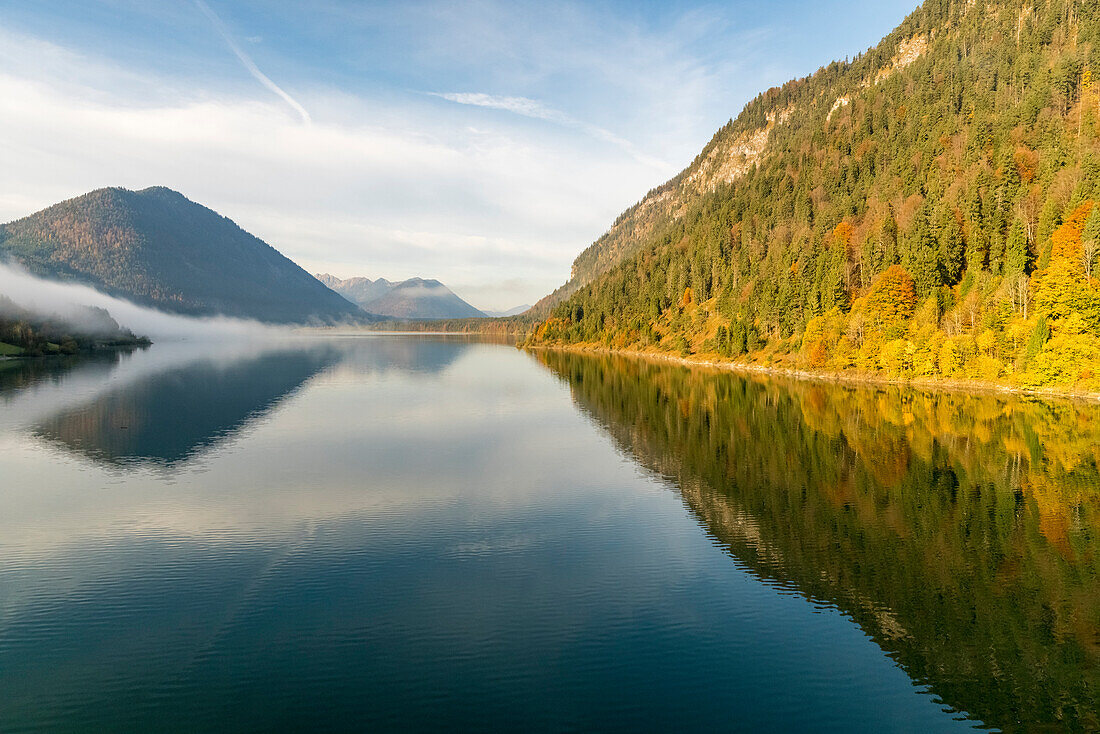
column 384, row 182
column 533, row 108
column 518, row 105
column 248, row 63
column 349, row 194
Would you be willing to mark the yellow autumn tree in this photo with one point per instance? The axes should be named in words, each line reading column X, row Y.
column 892, row 299
column 813, row 346
column 1062, row 289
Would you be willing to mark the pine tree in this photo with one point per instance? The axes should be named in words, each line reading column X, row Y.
column 952, row 248
column 922, row 259
column 1017, row 255
column 977, row 238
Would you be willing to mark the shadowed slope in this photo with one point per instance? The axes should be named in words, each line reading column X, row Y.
column 158, row 248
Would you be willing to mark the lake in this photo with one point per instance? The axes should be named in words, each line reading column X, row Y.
column 420, row 533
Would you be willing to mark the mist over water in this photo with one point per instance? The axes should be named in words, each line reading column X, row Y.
column 53, row 299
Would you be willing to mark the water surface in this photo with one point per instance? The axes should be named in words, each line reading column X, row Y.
column 413, row 533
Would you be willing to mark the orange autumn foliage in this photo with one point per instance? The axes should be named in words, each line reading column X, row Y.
column 1066, row 239
column 842, row 233
column 1027, row 162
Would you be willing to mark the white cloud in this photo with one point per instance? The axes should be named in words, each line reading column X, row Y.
column 410, row 193
column 519, row 105
column 385, row 181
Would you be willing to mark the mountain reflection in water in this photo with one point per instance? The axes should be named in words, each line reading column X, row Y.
column 172, row 412
column 414, row 533
column 962, row 532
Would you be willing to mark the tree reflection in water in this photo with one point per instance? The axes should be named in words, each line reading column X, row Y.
column 961, row 532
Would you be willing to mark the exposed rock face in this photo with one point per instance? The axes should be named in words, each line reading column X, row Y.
column 735, row 149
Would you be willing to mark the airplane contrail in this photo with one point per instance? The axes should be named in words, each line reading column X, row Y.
column 249, row 64
column 537, row 110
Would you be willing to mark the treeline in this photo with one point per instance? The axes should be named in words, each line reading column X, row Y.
column 926, row 209
column 503, row 327
column 27, row 334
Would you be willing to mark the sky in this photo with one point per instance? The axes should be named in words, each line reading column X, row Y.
column 482, row 143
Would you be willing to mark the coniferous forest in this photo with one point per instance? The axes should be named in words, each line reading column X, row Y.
column 924, row 210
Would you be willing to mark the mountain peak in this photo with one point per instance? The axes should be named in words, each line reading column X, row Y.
column 423, row 282
column 415, row 298
column 162, row 192
column 158, row 248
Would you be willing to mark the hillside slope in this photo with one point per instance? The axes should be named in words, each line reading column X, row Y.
column 925, row 209
column 158, row 248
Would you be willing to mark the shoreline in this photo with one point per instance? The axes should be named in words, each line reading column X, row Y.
column 867, row 380
column 83, row 352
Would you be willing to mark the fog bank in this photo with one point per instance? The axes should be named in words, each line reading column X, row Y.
column 51, row 299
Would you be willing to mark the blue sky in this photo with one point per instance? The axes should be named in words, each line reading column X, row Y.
column 481, row 143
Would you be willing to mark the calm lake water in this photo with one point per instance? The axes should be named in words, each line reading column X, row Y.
column 417, row 533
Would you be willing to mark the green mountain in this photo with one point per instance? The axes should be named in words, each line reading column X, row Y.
column 924, row 209
column 414, row 298
column 157, row 248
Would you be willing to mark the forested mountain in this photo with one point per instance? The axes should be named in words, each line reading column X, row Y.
column 157, row 248
column 925, row 209
column 414, row 298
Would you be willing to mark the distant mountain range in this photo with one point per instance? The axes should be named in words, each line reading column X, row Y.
column 157, row 248
column 357, row 290
column 414, row 298
column 514, row 311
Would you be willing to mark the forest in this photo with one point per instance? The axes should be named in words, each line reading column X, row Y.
column 927, row 209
